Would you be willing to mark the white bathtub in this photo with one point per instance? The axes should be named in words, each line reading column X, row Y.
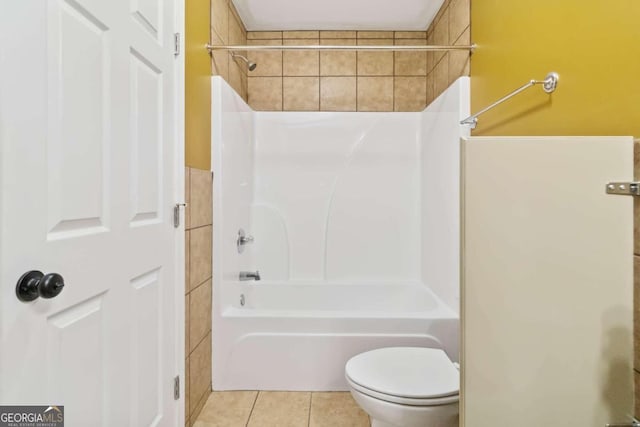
column 298, row 336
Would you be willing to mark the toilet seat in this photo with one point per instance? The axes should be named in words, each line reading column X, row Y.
column 403, row 400
column 405, row 375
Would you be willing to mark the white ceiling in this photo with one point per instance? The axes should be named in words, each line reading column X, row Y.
column 403, row 15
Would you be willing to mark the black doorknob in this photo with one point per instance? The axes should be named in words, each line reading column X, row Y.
column 34, row 284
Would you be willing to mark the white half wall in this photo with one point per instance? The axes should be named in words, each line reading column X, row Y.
column 440, row 191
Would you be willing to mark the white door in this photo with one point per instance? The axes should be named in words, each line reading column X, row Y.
column 87, row 182
column 547, row 282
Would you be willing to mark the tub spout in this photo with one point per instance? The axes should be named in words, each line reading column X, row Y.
column 249, row 275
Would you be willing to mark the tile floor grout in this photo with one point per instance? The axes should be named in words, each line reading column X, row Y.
column 252, row 407
column 335, row 409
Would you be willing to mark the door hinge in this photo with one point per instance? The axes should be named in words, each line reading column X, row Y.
column 624, row 188
column 176, row 44
column 176, row 214
column 176, row 388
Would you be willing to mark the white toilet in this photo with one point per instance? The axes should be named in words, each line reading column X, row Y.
column 405, row 387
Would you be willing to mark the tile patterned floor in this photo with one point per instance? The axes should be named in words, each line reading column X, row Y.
column 281, row 409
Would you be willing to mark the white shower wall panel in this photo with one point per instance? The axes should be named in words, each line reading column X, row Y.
column 440, row 191
column 232, row 158
column 337, row 196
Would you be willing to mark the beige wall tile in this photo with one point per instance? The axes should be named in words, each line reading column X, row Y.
column 219, row 59
column 338, row 94
column 636, row 376
column 220, row 19
column 430, row 55
column 636, row 313
column 301, row 63
column 187, row 392
column 375, row 63
column 441, row 34
column 410, row 93
column 636, row 202
column 375, row 34
column 636, row 225
column 337, row 34
column 301, row 34
column 236, row 36
column 257, row 35
column 636, row 159
column 459, row 18
column 375, row 93
column 335, row 63
column 187, row 198
column 199, row 406
column 200, row 196
column 430, row 90
column 459, row 60
column 301, row 93
column 236, row 67
column 187, row 279
column 411, row 63
column 336, row 409
column 234, row 12
column 200, row 373
column 441, row 76
column 281, row 409
column 199, row 255
column 269, row 62
column 187, row 315
column 199, row 313
column 440, row 13
column 245, row 88
column 410, row 35
column 228, row 408
column 265, row 93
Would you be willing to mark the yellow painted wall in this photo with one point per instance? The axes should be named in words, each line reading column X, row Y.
column 197, row 85
column 593, row 44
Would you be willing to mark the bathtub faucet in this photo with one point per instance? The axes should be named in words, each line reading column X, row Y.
column 249, row 275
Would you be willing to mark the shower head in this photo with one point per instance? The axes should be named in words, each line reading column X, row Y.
column 250, row 64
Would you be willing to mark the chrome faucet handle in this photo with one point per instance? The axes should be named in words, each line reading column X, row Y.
column 243, row 239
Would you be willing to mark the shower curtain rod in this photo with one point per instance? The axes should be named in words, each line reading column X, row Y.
column 549, row 84
column 211, row 48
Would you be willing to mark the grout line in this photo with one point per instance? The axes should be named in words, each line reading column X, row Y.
column 282, row 73
column 209, row 332
column 204, row 396
column 357, row 75
column 252, row 407
column 319, row 108
column 199, row 285
column 393, row 89
column 200, row 226
column 310, row 402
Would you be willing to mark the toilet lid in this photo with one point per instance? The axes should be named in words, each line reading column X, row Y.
column 412, row 372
